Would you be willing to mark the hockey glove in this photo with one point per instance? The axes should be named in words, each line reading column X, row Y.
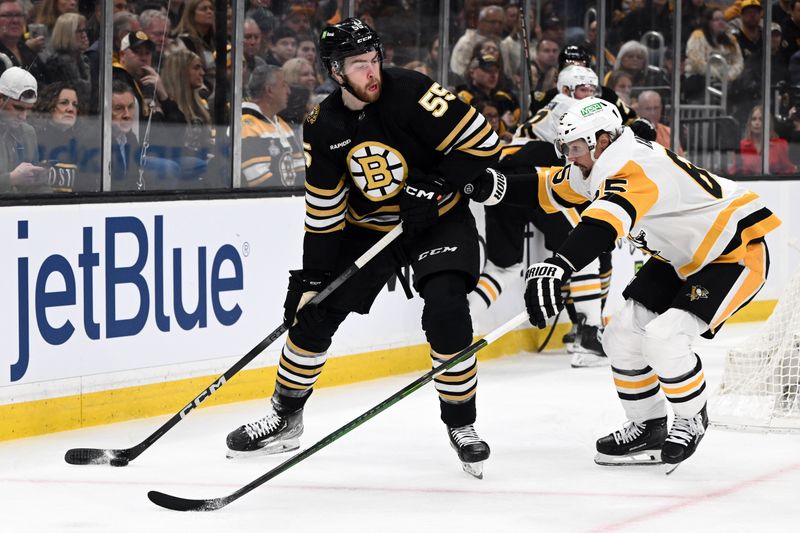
column 543, row 297
column 488, row 189
column 419, row 205
column 303, row 286
column 644, row 129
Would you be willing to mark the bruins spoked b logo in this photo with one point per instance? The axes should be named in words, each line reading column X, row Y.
column 378, row 170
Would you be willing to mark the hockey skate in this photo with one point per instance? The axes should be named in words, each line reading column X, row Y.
column 685, row 435
column 587, row 348
column 275, row 433
column 471, row 450
column 635, row 444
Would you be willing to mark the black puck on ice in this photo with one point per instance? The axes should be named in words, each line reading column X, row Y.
column 118, row 461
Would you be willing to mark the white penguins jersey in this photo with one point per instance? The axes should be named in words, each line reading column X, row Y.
column 666, row 206
column 543, row 125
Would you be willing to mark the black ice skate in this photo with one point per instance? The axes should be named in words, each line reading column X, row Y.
column 685, row 435
column 635, row 444
column 471, row 450
column 587, row 348
column 275, row 433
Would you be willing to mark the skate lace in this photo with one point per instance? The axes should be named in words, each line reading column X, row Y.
column 464, row 435
column 262, row 427
column 628, row 433
column 685, row 429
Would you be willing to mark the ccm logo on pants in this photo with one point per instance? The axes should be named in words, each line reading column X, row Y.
column 437, row 251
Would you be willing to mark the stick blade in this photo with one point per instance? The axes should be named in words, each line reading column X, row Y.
column 175, row 503
column 95, row 456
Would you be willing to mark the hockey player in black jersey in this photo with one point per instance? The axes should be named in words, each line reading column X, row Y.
column 389, row 145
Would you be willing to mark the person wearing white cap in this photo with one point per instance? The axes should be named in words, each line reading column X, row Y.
column 18, row 144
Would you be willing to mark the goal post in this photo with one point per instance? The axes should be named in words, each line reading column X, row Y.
column 761, row 382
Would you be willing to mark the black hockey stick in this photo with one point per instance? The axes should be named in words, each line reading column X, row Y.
column 550, row 333
column 94, row 456
column 183, row 504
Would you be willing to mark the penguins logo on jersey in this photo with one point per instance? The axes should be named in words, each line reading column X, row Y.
column 640, row 241
column 697, row 293
column 378, row 170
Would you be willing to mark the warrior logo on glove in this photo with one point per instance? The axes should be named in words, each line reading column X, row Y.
column 543, row 297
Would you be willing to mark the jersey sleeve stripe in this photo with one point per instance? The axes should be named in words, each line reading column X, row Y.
column 624, row 204
column 475, row 139
column 605, row 218
column 326, row 193
column 325, row 203
column 457, row 130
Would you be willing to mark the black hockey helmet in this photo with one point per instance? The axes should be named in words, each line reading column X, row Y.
column 576, row 55
column 350, row 37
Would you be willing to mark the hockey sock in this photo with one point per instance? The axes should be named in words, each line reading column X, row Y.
column 686, row 392
column 456, row 389
column 298, row 370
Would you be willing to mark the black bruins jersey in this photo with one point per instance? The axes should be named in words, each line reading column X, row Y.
column 358, row 161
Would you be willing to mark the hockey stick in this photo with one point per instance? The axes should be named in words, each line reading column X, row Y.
column 550, row 333
column 526, row 48
column 94, row 456
column 212, row 504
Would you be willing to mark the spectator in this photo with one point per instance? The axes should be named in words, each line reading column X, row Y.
column 781, row 11
column 780, row 70
column 12, row 46
column 489, row 110
column 713, row 38
column 791, row 31
column 196, row 31
column 283, row 46
column 692, row 17
column 252, row 46
column 67, row 62
column 124, row 146
column 650, row 107
column 271, row 155
column 157, row 26
column 652, row 15
column 590, row 44
column 297, row 108
column 553, row 30
column 135, row 69
column 748, row 35
column 266, row 21
column 544, row 68
column 491, row 47
column 187, row 128
column 297, row 20
column 633, row 59
column 621, row 82
column 299, row 72
column 490, row 24
column 483, row 77
column 431, row 59
column 61, row 143
column 750, row 148
column 50, row 10
column 307, row 49
column 18, row 144
column 511, row 46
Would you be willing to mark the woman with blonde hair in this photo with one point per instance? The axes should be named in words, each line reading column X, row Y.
column 186, row 133
column 196, row 30
column 298, row 71
column 66, row 61
column 750, row 153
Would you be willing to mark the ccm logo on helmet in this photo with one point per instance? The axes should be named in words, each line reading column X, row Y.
column 437, row 251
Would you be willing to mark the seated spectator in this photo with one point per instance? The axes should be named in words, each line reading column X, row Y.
column 649, row 106
column 553, row 30
column 491, row 47
column 62, row 144
column 185, row 135
column 298, row 71
column 791, row 30
column 271, row 154
column 12, row 46
column 621, row 82
column 307, row 49
column 492, row 114
column 252, row 46
column 135, row 69
column 50, row 10
column 544, row 68
column 18, row 144
column 713, row 38
column 66, row 61
column 196, row 31
column 282, row 46
column 750, row 148
column 297, row 20
column 651, row 15
column 157, row 26
column 490, row 24
column 633, row 59
column 484, row 75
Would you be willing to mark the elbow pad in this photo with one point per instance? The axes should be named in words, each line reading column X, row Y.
column 488, row 189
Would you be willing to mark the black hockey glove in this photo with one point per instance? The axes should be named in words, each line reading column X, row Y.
column 488, row 189
column 644, row 129
column 419, row 205
column 302, row 287
column 543, row 282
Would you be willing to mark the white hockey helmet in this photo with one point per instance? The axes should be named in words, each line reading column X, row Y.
column 584, row 120
column 574, row 76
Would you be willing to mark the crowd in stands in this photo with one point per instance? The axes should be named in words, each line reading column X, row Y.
column 171, row 92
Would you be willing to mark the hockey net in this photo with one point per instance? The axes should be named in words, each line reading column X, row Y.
column 761, row 383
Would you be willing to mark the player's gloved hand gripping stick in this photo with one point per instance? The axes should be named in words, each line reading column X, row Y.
column 121, row 457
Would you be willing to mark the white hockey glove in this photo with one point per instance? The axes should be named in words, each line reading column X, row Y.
column 543, row 297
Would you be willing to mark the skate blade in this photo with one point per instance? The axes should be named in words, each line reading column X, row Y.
column 473, row 469
column 587, row 360
column 670, row 468
column 270, row 449
column 642, row 458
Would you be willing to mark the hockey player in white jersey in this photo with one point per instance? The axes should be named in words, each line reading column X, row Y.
column 532, row 147
column 709, row 258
